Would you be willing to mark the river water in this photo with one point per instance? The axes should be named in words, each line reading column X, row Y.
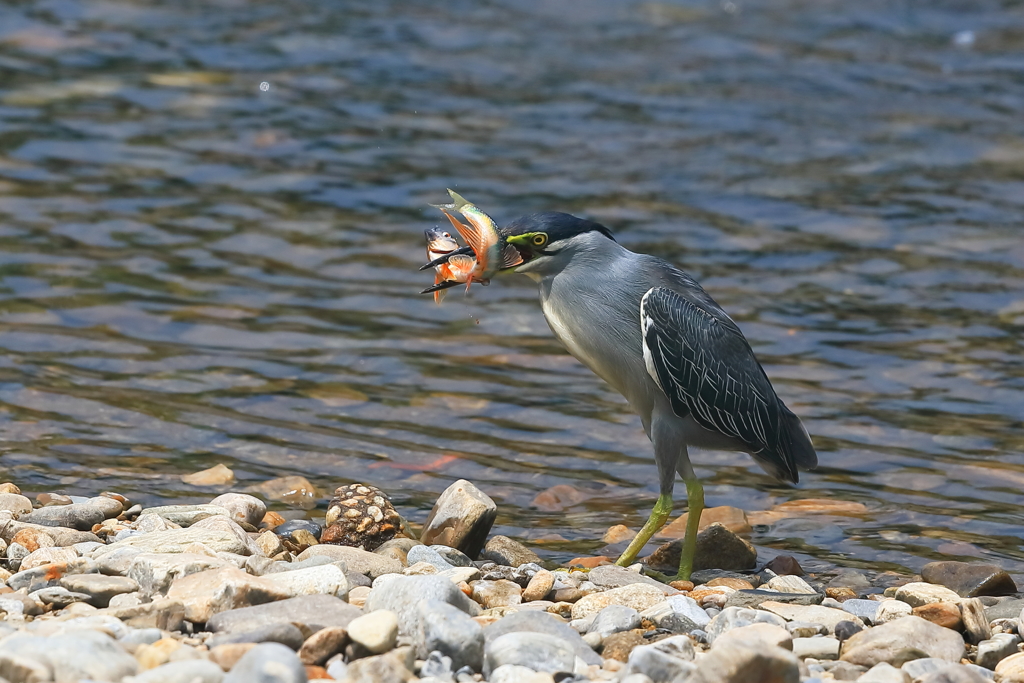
column 211, row 217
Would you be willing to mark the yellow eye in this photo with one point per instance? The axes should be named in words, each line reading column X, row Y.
column 539, row 240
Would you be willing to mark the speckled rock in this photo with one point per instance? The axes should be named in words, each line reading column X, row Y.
column 360, row 516
column 461, row 518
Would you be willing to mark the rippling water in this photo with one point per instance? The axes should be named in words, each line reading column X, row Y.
column 197, row 269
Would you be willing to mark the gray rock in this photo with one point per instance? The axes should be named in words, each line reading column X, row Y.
column 816, row 648
column 242, row 507
column 423, row 553
column 67, row 658
column 356, row 559
column 902, row 640
column 58, row 597
column 1007, row 608
column 48, row 576
column 141, row 636
column 816, row 614
column 282, row 566
column 996, row 649
column 537, row 651
column 62, row 537
column 544, row 623
column 735, row 663
column 866, row 610
column 665, row 661
column 80, row 516
column 613, row 576
column 283, row 633
column 444, row 628
column 328, row 579
column 508, row 552
column 736, row 617
column 312, row 612
column 678, row 614
column 268, row 663
column 185, row 671
column 400, row 594
column 98, row 587
column 461, row 518
column 614, row 619
column 917, row 668
column 752, row 598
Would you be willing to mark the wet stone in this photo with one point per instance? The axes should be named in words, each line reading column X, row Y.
column 218, row 475
column 292, row 490
column 506, row 551
column 461, row 518
column 969, row 580
column 784, row 565
column 717, row 548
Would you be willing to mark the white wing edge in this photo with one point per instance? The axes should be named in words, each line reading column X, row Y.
column 645, row 323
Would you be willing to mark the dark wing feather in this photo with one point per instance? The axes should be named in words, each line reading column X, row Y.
column 707, row 370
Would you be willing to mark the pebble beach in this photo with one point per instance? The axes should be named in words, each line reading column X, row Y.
column 101, row 589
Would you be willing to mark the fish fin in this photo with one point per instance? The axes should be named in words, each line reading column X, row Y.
column 439, row 296
column 510, row 257
column 463, row 262
column 471, row 234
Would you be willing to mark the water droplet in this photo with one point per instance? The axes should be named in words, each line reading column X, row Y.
column 264, row 86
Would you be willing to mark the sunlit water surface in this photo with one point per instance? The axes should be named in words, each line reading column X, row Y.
column 195, row 269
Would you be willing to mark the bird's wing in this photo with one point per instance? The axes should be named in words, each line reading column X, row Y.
column 706, row 368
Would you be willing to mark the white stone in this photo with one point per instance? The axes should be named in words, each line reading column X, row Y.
column 242, row 507
column 326, row 579
column 790, row 584
column 816, row 648
column 884, row 673
column 891, row 610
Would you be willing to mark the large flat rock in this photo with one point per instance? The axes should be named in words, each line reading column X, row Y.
column 313, row 611
column 902, row 640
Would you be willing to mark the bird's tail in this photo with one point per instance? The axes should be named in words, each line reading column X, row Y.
column 795, row 442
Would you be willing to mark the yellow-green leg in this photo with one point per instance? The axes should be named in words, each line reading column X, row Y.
column 659, row 515
column 695, row 506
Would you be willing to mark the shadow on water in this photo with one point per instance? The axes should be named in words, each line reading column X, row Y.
column 197, row 269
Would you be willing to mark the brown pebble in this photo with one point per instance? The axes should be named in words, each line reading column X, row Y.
column 562, row 609
column 589, row 562
column 48, row 499
column 539, row 587
column 486, row 620
column 730, row 582
column 323, row 645
column 226, row 656
column 701, row 593
column 618, row 534
column 619, row 645
column 945, row 614
column 682, row 585
column 293, row 490
column 314, row 673
column 8, row 487
column 842, row 594
column 272, row 520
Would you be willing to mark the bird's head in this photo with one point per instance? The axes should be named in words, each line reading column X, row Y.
column 547, row 241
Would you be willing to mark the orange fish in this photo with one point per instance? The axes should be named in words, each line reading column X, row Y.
column 440, row 244
column 490, row 252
